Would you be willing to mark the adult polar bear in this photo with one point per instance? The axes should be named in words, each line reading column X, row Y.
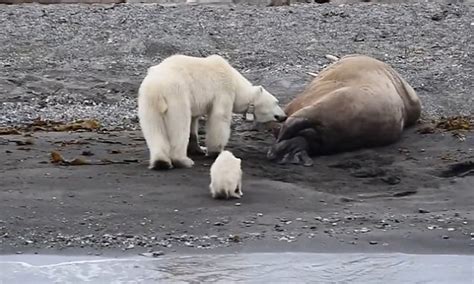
column 177, row 92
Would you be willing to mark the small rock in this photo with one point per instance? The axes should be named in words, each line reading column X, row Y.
column 347, row 199
column 373, row 242
column 391, row 180
column 278, row 228
column 284, row 239
column 153, row 253
column 439, row 16
column 87, row 153
column 420, row 210
column 450, row 229
column 234, row 238
column 237, row 204
column 445, row 237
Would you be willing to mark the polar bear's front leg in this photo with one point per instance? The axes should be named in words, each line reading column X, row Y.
column 193, row 146
column 218, row 129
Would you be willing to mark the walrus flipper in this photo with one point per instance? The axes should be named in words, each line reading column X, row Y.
column 292, row 127
column 293, row 151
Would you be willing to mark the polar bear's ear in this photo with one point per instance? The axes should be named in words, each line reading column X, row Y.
column 258, row 90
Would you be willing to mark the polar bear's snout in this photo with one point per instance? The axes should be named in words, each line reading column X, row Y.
column 280, row 118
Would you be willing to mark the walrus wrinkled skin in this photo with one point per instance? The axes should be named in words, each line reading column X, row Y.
column 356, row 102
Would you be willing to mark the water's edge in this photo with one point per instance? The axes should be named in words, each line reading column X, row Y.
column 250, row 268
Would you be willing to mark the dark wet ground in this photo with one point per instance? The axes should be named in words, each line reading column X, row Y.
column 406, row 197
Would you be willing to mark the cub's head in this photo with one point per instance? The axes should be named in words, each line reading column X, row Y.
column 266, row 107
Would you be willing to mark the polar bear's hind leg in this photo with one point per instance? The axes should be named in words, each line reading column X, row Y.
column 154, row 131
column 179, row 127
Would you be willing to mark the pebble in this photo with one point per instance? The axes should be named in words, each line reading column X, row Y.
column 152, row 254
column 373, row 242
column 420, row 210
column 362, row 230
column 237, row 204
column 445, row 237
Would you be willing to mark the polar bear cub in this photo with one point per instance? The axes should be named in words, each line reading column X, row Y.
column 226, row 176
column 177, row 92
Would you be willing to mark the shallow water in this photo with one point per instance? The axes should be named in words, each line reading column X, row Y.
column 246, row 268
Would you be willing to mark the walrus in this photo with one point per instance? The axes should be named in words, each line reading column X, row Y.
column 356, row 102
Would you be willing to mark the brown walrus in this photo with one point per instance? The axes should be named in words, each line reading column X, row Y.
column 354, row 103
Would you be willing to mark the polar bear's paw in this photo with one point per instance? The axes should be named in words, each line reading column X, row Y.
column 196, row 150
column 160, row 165
column 183, row 163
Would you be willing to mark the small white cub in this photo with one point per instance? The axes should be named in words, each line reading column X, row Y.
column 226, row 176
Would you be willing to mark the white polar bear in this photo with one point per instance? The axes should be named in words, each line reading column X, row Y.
column 226, row 176
column 177, row 92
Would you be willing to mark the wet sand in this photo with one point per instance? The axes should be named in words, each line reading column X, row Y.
column 404, row 197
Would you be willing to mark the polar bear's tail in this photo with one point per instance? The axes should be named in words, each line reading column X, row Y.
column 151, row 108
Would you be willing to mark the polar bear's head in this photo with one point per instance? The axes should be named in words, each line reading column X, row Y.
column 266, row 107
